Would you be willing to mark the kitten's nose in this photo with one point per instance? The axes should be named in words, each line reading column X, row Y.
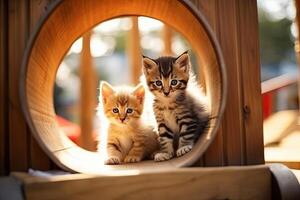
column 122, row 119
column 166, row 93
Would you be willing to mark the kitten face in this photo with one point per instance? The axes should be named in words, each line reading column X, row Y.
column 122, row 106
column 167, row 76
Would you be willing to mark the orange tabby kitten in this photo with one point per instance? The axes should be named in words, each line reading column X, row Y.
column 129, row 139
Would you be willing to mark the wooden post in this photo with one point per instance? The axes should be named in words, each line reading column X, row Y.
column 235, row 23
column 134, row 51
column 18, row 134
column 3, row 90
column 167, row 38
column 87, row 95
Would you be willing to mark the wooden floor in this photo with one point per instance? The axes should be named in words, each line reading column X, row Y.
column 282, row 139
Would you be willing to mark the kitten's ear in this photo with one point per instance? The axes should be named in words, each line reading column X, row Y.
column 106, row 90
column 148, row 64
column 139, row 92
column 183, row 61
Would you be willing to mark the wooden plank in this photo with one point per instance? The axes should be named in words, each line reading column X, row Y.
column 279, row 82
column 274, row 132
column 250, row 81
column 222, row 17
column 167, row 34
column 286, row 151
column 134, row 51
column 195, row 183
column 233, row 117
column 235, row 24
column 18, row 34
column 38, row 159
column 281, row 154
column 3, row 89
column 88, row 95
column 209, row 9
column 214, row 155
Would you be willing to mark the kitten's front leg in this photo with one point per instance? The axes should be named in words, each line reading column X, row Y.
column 166, row 137
column 136, row 153
column 188, row 132
column 114, row 154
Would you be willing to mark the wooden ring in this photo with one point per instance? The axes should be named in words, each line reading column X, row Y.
column 65, row 22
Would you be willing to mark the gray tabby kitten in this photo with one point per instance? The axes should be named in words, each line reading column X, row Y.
column 180, row 110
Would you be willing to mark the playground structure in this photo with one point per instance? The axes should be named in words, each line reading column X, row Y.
column 224, row 35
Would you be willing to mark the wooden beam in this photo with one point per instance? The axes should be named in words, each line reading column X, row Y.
column 274, row 132
column 167, row 38
column 235, row 24
column 88, row 90
column 18, row 27
column 134, row 51
column 249, row 64
column 186, row 183
column 279, row 82
column 3, row 90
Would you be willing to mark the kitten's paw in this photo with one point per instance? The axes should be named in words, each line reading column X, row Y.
column 132, row 159
column 113, row 160
column 183, row 150
column 163, row 156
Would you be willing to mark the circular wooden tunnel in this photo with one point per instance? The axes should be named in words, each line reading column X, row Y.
column 65, row 22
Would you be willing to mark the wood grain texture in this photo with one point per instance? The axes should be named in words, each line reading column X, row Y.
column 38, row 158
column 134, row 51
column 214, row 156
column 167, row 36
column 250, row 77
column 232, row 125
column 3, row 89
column 240, row 139
column 18, row 135
column 186, row 183
column 52, row 41
column 88, row 88
column 274, row 132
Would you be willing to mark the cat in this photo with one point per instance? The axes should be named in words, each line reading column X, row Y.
column 129, row 139
column 180, row 107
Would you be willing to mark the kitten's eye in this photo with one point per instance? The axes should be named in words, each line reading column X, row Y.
column 115, row 110
column 129, row 110
column 174, row 82
column 158, row 83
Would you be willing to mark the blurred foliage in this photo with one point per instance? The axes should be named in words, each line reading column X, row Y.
column 276, row 40
column 121, row 41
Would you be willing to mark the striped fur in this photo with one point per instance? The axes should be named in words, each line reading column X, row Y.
column 181, row 116
column 129, row 139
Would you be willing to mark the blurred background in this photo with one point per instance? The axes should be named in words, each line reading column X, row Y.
column 279, row 52
column 278, row 33
column 112, row 52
